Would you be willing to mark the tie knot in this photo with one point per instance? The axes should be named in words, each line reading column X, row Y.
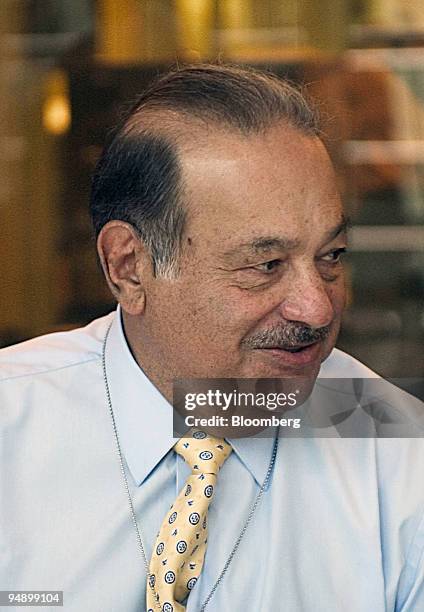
column 202, row 452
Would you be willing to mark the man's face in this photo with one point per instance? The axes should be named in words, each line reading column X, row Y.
column 261, row 290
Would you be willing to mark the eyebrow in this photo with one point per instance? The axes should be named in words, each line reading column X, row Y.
column 264, row 244
column 336, row 231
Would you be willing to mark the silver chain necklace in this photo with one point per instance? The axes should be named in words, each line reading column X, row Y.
column 252, row 511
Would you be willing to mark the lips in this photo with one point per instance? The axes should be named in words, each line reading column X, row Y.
column 294, row 349
column 300, row 355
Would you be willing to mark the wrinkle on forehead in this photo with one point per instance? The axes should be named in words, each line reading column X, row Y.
column 220, row 152
column 264, row 244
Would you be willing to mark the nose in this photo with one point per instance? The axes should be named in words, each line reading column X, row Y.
column 308, row 300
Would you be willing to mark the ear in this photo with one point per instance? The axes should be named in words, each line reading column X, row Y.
column 125, row 263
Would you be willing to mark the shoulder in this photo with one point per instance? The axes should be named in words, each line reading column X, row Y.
column 54, row 351
column 341, row 365
column 396, row 412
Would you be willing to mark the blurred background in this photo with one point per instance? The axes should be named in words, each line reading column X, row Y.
column 67, row 67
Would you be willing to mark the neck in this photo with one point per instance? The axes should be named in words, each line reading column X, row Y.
column 141, row 347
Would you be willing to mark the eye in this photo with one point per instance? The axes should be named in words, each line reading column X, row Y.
column 268, row 267
column 333, row 256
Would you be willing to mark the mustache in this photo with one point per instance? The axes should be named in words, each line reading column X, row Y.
column 286, row 336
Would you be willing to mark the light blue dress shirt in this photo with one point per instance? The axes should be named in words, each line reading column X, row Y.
column 340, row 527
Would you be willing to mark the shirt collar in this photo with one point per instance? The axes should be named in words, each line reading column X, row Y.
column 144, row 417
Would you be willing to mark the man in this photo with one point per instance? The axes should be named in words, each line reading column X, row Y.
column 220, row 232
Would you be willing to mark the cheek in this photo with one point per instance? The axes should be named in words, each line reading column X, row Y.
column 196, row 315
column 223, row 313
column 238, row 310
column 337, row 295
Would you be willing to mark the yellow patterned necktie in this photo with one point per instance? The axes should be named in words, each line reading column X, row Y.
column 179, row 551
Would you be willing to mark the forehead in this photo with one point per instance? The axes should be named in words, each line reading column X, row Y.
column 280, row 182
